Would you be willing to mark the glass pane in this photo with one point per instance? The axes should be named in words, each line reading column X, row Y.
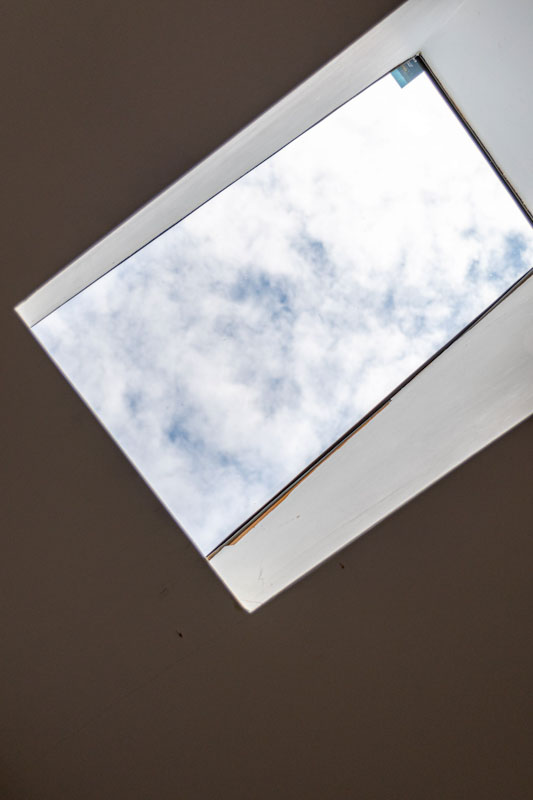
column 229, row 352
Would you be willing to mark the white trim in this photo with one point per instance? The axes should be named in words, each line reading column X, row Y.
column 477, row 389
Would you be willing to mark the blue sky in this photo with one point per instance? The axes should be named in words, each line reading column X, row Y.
column 233, row 349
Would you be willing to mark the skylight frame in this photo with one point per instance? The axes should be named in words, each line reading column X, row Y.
column 389, row 44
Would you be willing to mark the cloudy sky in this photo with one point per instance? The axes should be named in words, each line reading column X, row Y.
column 232, row 350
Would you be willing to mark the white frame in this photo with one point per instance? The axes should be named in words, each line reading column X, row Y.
column 480, row 52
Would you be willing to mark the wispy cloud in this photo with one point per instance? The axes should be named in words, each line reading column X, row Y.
column 230, row 351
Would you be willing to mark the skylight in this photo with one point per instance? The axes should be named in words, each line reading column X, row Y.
column 231, row 351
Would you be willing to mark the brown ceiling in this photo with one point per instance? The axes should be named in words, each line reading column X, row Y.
column 400, row 668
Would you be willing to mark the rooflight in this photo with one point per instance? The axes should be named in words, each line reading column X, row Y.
column 228, row 353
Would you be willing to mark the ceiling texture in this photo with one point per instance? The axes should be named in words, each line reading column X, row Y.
column 401, row 668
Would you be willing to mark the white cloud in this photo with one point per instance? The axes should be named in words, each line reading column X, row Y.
column 230, row 351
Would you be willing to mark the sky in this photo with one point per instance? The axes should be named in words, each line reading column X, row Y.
column 228, row 353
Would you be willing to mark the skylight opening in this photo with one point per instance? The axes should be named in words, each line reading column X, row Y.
column 230, row 352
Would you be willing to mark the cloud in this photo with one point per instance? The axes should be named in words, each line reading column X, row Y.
column 230, row 351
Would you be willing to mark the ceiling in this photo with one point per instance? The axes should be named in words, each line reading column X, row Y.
column 400, row 668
